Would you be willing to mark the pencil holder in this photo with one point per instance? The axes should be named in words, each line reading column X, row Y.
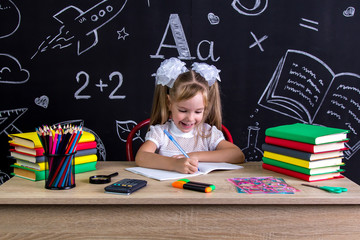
column 59, row 171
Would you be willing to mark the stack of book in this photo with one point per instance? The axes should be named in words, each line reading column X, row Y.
column 27, row 152
column 308, row 152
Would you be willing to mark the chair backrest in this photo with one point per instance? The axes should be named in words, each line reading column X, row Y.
column 129, row 140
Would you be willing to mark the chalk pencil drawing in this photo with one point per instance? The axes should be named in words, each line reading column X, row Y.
column 309, row 24
column 10, row 18
column 123, row 129
column 181, row 45
column 304, row 88
column 213, row 19
column 42, row 101
column 81, row 26
column 11, row 71
column 8, row 118
column 100, row 146
column 258, row 41
column 122, row 34
column 250, row 8
column 349, row 12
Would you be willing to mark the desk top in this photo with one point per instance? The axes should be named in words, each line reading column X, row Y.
column 21, row 191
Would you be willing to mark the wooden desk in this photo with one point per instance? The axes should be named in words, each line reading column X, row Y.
column 160, row 211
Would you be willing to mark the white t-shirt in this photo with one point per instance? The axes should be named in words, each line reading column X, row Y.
column 188, row 141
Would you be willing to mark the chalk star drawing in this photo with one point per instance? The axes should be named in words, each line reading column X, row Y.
column 122, row 34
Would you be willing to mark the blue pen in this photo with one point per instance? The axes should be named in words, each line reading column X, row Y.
column 176, row 144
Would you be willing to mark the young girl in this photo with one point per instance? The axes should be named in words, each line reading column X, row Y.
column 186, row 104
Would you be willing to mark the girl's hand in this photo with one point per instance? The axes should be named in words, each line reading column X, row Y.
column 185, row 165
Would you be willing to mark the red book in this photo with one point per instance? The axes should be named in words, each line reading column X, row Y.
column 39, row 151
column 306, row 147
column 309, row 178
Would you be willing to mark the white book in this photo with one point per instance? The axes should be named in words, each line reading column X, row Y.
column 161, row 175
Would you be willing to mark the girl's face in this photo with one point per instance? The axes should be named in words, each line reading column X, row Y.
column 188, row 113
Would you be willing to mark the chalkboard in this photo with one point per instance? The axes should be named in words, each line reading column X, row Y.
column 92, row 62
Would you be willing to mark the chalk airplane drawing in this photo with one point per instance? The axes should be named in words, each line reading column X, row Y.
column 81, row 27
column 10, row 18
column 304, row 88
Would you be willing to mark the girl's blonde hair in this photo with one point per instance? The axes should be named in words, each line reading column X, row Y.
column 186, row 86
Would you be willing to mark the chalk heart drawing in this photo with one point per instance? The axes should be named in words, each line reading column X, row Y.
column 213, row 19
column 42, row 101
column 349, row 12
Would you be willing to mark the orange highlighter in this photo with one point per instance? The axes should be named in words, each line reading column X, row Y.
column 195, row 186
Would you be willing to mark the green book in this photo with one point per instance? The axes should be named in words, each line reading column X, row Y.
column 307, row 133
column 36, row 175
column 307, row 171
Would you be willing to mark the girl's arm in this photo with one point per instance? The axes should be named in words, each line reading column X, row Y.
column 146, row 157
column 225, row 152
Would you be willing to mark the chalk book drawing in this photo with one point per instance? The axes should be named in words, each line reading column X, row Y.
column 304, row 88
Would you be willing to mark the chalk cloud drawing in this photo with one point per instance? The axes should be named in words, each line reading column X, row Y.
column 174, row 24
column 42, row 101
column 349, row 12
column 257, row 42
column 81, row 27
column 213, row 19
column 250, row 8
column 8, row 118
column 122, row 34
column 309, row 24
column 10, row 18
column 123, row 129
column 304, row 88
column 11, row 71
column 101, row 151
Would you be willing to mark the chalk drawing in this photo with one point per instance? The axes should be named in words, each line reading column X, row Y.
column 213, row 19
column 122, row 34
column 304, row 88
column 123, row 129
column 211, row 51
column 257, row 42
column 116, row 76
column 252, row 8
column 10, row 18
column 11, row 71
column 42, row 101
column 251, row 151
column 8, row 118
column 3, row 177
column 309, row 24
column 81, row 27
column 349, row 12
column 174, row 24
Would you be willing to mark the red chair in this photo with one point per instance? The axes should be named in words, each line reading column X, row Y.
column 129, row 140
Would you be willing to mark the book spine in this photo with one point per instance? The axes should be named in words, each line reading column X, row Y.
column 286, row 172
column 286, row 151
column 286, row 165
column 290, row 144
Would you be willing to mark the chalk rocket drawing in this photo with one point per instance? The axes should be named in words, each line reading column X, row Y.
column 180, row 39
column 11, row 71
column 101, row 151
column 250, row 9
column 123, row 129
column 304, row 88
column 9, row 17
column 8, row 118
column 81, row 27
